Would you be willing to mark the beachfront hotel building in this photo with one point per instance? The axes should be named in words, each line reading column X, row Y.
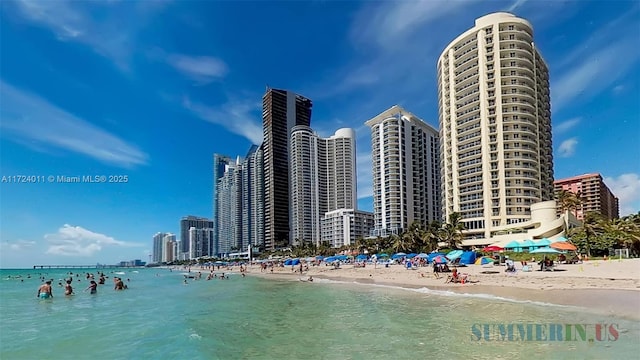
column 281, row 111
column 186, row 223
column 322, row 179
column 229, row 212
column 594, row 193
column 252, row 199
column 406, row 172
column 200, row 241
column 344, row 226
column 157, row 254
column 495, row 125
column 169, row 247
column 219, row 165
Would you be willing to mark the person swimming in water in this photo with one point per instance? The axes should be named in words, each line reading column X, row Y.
column 44, row 291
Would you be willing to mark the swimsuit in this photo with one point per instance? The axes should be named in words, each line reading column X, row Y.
column 44, row 295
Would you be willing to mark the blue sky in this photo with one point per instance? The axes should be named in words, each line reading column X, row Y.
column 152, row 89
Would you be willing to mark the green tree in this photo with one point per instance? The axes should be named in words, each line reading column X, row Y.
column 451, row 232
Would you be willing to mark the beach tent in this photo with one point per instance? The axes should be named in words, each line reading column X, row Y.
column 295, row 262
column 468, row 257
column 452, row 255
column 527, row 244
column 288, row 262
column 543, row 242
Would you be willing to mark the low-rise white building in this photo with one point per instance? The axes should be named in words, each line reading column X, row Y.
column 344, row 226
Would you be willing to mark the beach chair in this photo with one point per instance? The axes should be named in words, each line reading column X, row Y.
column 526, row 268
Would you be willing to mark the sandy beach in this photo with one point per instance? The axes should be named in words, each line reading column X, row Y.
column 607, row 287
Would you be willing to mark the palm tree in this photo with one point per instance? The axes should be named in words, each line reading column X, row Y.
column 451, row 232
column 567, row 201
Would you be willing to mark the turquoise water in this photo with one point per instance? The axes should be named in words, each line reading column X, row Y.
column 159, row 317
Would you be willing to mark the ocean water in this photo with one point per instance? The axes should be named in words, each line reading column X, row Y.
column 160, row 317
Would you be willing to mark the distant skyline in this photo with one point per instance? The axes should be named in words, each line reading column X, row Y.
column 153, row 89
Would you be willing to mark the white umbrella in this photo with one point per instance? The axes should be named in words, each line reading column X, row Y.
column 545, row 250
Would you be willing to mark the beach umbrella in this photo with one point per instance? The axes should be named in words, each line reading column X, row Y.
column 545, row 250
column 411, row 256
column 382, row 255
column 492, row 248
column 398, row 255
column 288, row 262
column 422, row 256
column 452, row 255
column 563, row 245
column 319, row 257
column 440, row 259
column 431, row 256
column 362, row 257
column 484, row 260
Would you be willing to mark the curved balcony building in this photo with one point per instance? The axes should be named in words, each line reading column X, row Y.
column 495, row 125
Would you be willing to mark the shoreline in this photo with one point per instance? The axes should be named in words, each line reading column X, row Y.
column 604, row 293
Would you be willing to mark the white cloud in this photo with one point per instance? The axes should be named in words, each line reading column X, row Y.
column 568, row 147
column 27, row 118
column 626, row 188
column 598, row 63
column 203, row 69
column 77, row 241
column 566, row 125
column 389, row 23
column 18, row 245
column 236, row 117
column 108, row 27
column 516, row 4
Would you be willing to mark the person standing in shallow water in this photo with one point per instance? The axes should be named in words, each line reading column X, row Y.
column 68, row 289
column 93, row 287
column 45, row 291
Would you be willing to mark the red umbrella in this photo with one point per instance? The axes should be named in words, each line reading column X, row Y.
column 492, row 248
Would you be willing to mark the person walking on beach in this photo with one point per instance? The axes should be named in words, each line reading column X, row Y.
column 68, row 290
column 45, row 291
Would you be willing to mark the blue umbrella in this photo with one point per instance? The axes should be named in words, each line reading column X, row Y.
column 433, row 255
column 319, row 257
column 440, row 259
column 288, row 262
column 411, row 256
column 422, row 256
column 295, row 261
column 362, row 257
column 330, row 259
column 382, row 255
column 398, row 255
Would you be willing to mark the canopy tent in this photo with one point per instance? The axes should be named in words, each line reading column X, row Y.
column 543, row 242
column 468, row 257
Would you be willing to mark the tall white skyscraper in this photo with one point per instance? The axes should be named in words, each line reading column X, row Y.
column 253, row 199
column 157, row 247
column 495, row 121
column 406, row 177
column 229, row 210
column 323, row 178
